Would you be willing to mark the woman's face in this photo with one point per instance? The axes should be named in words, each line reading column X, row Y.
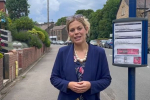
column 77, row 32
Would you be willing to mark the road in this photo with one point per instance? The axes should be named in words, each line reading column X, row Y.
column 35, row 84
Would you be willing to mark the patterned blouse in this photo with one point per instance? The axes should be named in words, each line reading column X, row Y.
column 79, row 68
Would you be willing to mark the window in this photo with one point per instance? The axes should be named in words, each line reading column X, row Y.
column 54, row 32
column 123, row 11
column 58, row 32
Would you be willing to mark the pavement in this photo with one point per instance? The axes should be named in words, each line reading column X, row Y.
column 41, row 87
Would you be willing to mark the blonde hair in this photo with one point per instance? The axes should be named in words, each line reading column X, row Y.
column 82, row 20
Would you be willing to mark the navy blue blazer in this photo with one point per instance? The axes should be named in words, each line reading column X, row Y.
column 96, row 71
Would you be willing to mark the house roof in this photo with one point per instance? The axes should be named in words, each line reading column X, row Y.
column 140, row 3
column 43, row 26
column 59, row 27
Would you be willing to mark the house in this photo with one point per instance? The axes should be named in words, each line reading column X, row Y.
column 141, row 11
column 44, row 26
column 2, row 5
column 59, row 33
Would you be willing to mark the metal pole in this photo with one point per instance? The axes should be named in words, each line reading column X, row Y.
column 144, row 9
column 131, row 71
column 52, row 27
column 131, row 83
column 52, row 23
column 52, row 31
column 48, row 16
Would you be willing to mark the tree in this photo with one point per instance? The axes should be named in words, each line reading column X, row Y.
column 17, row 8
column 35, row 23
column 84, row 12
column 109, row 12
column 61, row 21
column 94, row 19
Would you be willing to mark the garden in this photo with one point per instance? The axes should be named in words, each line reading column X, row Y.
column 23, row 30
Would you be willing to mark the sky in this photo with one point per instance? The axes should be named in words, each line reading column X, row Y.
column 60, row 8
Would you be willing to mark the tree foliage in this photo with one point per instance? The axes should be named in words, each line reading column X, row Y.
column 24, row 23
column 61, row 21
column 100, row 20
column 17, row 8
column 84, row 12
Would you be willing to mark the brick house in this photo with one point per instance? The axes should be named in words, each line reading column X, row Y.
column 2, row 5
column 44, row 26
column 123, row 12
column 59, row 33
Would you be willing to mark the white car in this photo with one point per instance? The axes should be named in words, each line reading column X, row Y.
column 94, row 42
column 68, row 42
column 61, row 42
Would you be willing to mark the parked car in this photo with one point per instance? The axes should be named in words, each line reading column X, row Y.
column 57, row 42
column 108, row 44
column 102, row 42
column 53, row 42
column 94, row 42
column 68, row 43
column 61, row 42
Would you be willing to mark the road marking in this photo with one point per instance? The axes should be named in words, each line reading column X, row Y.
column 110, row 55
column 148, row 67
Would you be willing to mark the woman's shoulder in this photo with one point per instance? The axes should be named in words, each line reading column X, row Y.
column 97, row 48
column 64, row 48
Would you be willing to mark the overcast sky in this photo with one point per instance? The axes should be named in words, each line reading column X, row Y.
column 60, row 8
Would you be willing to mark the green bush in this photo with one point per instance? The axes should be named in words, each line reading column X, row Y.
column 39, row 33
column 33, row 31
column 102, row 38
column 22, row 36
column 24, row 23
column 30, row 39
column 12, row 28
column 46, row 41
column 1, row 55
column 35, row 41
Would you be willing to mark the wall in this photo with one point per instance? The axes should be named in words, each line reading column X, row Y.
column 2, row 6
column 28, row 56
column 25, row 58
column 64, row 34
column 1, row 73
column 12, row 65
column 125, row 7
column 139, row 13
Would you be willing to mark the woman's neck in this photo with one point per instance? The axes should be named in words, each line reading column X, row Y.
column 81, row 47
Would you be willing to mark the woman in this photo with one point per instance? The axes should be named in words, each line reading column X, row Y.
column 80, row 70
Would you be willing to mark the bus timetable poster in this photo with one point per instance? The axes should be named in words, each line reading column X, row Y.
column 127, row 43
